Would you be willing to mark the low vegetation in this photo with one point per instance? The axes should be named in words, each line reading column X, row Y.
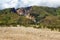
column 44, row 17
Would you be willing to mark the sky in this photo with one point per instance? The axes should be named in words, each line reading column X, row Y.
column 25, row 3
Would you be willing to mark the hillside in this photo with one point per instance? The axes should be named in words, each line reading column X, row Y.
column 42, row 16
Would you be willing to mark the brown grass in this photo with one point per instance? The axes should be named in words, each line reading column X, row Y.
column 22, row 33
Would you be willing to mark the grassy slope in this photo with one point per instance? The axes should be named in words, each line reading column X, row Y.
column 45, row 16
column 22, row 33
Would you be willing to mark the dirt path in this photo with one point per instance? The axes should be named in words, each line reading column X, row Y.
column 22, row 33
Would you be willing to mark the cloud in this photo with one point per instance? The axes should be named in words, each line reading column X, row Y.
column 8, row 3
column 24, row 3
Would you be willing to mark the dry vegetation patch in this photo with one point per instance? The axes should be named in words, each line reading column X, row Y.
column 29, row 33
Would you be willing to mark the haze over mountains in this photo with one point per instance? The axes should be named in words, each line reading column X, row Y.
column 25, row 3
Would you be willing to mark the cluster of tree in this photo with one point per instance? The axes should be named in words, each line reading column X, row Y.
column 44, row 16
column 47, row 17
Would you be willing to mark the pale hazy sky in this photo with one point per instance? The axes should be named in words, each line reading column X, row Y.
column 24, row 3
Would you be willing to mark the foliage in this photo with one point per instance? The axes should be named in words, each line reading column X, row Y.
column 44, row 16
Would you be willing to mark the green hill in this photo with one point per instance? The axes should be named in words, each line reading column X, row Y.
column 44, row 16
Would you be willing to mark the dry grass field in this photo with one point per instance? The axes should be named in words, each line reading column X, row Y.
column 23, row 33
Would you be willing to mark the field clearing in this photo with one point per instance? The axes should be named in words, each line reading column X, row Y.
column 29, row 33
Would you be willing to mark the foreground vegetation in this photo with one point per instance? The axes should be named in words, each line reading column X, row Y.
column 45, row 17
column 27, row 33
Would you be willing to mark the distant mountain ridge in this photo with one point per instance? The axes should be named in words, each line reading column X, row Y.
column 43, row 16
